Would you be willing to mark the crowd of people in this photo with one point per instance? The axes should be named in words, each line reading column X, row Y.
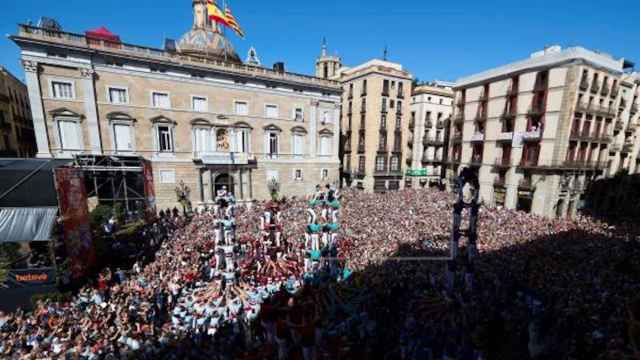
column 352, row 275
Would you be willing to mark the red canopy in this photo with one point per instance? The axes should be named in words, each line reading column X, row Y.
column 102, row 33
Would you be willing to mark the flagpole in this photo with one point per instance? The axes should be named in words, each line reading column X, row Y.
column 224, row 34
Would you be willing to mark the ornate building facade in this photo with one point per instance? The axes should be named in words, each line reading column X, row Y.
column 431, row 106
column 193, row 109
column 539, row 130
column 17, row 138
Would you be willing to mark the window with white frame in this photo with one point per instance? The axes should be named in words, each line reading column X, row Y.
column 325, row 145
column 380, row 163
column 298, row 114
column 297, row 174
column 62, row 89
column 70, row 134
column 241, row 108
column 118, row 95
column 242, row 140
column 199, row 103
column 271, row 111
column 201, row 137
column 272, row 144
column 122, row 137
column 324, row 174
column 326, row 117
column 298, row 144
column 395, row 163
column 160, row 100
column 165, row 138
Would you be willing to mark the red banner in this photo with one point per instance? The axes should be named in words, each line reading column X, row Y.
column 149, row 191
column 72, row 199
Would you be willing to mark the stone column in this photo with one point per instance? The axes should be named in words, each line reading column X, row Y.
column 313, row 128
column 336, row 131
column 31, row 71
column 90, row 110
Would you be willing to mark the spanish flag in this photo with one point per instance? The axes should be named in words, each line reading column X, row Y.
column 233, row 23
column 215, row 14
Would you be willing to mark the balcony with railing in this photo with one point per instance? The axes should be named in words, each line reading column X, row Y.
column 627, row 147
column 584, row 83
column 428, row 124
column 536, row 110
column 508, row 114
column 619, row 125
column 426, row 159
column 385, row 90
column 476, row 160
column 623, row 103
column 582, row 106
column 580, row 164
column 502, row 163
column 222, row 158
column 615, row 90
column 529, row 163
column 458, row 118
column 526, row 184
column 505, row 136
column 481, row 116
column 360, row 148
column 432, row 141
column 456, row 137
column 595, row 87
column 532, row 135
column 440, row 124
column 605, row 90
column 477, row 137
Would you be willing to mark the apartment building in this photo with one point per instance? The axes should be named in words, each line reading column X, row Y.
column 431, row 106
column 192, row 108
column 17, row 138
column 375, row 125
column 539, row 130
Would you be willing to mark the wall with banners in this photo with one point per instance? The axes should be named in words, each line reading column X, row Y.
column 72, row 198
column 149, row 191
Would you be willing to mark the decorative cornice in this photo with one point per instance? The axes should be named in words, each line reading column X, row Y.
column 298, row 129
column 30, row 66
column 88, row 73
column 116, row 115
column 162, row 119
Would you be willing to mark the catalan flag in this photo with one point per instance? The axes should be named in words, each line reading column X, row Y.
column 215, row 14
column 233, row 23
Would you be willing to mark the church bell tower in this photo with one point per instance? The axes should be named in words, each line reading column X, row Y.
column 326, row 65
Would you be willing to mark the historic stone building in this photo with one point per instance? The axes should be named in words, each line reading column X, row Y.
column 17, row 138
column 431, row 106
column 193, row 109
column 374, row 121
column 539, row 130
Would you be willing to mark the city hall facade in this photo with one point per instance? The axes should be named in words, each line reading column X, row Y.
column 193, row 109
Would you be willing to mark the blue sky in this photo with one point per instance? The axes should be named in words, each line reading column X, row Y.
column 434, row 40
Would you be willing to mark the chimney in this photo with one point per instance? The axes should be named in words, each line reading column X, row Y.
column 279, row 67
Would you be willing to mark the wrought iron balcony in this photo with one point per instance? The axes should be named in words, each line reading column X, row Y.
column 595, row 87
column 428, row 124
column 440, row 124
column 476, row 160
column 481, row 116
column 614, row 91
column 431, row 141
column 456, row 138
column 499, row 183
column 536, row 110
column 532, row 135
column 529, row 164
column 221, row 158
column 508, row 114
column 618, row 126
column 526, row 185
column 505, row 136
column 584, row 84
column 502, row 163
column 605, row 90
column 477, row 137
